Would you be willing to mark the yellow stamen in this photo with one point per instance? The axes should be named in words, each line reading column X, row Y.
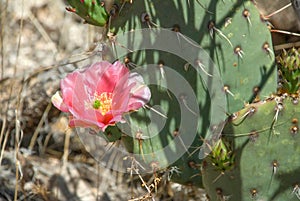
column 101, row 102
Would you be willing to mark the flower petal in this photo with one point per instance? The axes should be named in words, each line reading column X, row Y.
column 57, row 101
column 73, row 89
column 140, row 92
column 93, row 74
column 121, row 97
column 73, row 123
column 109, row 76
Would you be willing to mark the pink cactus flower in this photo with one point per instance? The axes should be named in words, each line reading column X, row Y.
column 99, row 95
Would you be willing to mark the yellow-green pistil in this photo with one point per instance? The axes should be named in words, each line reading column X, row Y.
column 97, row 104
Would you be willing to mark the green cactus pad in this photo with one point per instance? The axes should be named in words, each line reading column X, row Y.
column 231, row 32
column 111, row 134
column 222, row 51
column 92, row 11
column 264, row 139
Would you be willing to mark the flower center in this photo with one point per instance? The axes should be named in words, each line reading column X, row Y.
column 97, row 104
column 102, row 102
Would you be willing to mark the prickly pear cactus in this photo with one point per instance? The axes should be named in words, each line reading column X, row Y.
column 92, row 11
column 262, row 154
column 201, row 60
column 232, row 35
column 289, row 70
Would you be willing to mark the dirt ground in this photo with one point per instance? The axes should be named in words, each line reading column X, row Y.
column 41, row 159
